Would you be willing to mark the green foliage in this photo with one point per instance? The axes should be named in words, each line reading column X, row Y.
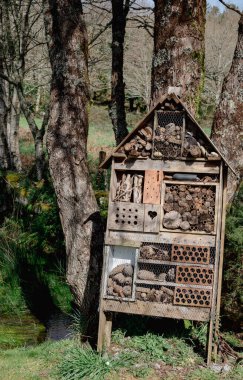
column 197, row 331
column 32, row 245
column 232, row 295
column 152, row 347
column 84, row 363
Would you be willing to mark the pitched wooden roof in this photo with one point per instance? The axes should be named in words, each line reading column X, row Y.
column 146, row 119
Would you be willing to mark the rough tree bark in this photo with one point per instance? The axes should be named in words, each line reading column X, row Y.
column 227, row 130
column 178, row 58
column 13, row 131
column 4, row 153
column 67, row 147
column 117, row 107
column 37, row 133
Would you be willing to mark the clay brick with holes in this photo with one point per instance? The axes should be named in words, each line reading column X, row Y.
column 126, row 216
column 194, row 275
column 190, row 254
column 192, row 297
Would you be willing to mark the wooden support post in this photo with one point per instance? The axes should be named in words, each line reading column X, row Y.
column 221, row 257
column 105, row 329
column 218, row 210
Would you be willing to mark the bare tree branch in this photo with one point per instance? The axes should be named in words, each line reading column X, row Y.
column 101, row 31
column 231, row 7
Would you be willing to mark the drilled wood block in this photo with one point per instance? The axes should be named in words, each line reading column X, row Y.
column 192, row 297
column 190, row 254
column 126, row 216
column 194, row 275
column 152, row 186
column 151, row 218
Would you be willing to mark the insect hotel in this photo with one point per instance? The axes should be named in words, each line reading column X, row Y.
column 164, row 241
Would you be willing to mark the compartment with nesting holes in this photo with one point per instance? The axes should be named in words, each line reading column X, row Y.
column 194, row 275
column 190, row 254
column 192, row 297
column 126, row 216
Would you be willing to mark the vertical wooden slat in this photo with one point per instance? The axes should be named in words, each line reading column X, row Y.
column 221, row 258
column 218, row 209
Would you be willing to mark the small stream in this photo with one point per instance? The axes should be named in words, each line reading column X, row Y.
column 26, row 330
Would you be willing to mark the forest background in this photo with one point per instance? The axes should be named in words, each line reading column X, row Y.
column 32, row 248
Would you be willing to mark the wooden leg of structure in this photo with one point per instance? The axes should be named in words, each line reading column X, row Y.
column 210, row 341
column 221, row 260
column 105, row 329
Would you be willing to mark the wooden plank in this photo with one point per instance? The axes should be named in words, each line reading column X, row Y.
column 105, row 330
column 193, row 183
column 218, row 208
column 155, row 309
column 119, row 237
column 165, row 283
column 124, row 242
column 126, row 216
column 188, row 232
column 221, row 253
column 151, row 218
column 152, row 186
column 174, row 166
column 162, row 262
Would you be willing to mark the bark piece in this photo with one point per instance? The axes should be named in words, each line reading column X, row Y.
column 117, row 269
column 119, row 278
column 128, row 270
column 146, row 275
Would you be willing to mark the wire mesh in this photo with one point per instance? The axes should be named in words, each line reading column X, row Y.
column 167, row 139
column 156, row 275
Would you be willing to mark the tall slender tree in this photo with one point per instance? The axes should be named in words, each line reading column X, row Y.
column 227, row 129
column 117, row 107
column 67, row 147
column 178, row 58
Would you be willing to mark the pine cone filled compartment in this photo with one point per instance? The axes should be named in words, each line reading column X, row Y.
column 119, row 272
column 189, row 207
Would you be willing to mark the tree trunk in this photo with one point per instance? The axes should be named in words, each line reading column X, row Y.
column 13, row 132
column 227, row 125
column 178, row 58
column 4, row 152
column 117, row 107
column 38, row 134
column 67, row 147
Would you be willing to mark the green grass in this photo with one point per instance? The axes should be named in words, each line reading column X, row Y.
column 32, row 363
column 139, row 357
column 101, row 135
column 20, row 331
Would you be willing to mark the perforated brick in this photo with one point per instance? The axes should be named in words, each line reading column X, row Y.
column 190, row 254
column 194, row 275
column 192, row 297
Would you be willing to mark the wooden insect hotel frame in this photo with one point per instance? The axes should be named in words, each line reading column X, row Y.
column 164, row 241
